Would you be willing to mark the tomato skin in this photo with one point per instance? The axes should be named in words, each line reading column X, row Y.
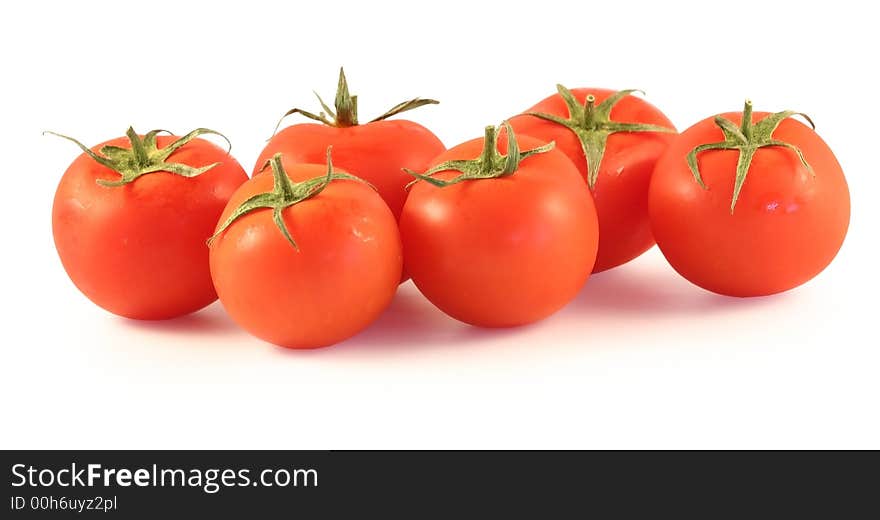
column 506, row 251
column 376, row 152
column 138, row 250
column 344, row 275
column 621, row 189
column 786, row 227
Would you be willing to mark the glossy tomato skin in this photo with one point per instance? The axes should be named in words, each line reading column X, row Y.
column 138, row 250
column 376, row 152
column 343, row 276
column 786, row 227
column 506, row 251
column 621, row 190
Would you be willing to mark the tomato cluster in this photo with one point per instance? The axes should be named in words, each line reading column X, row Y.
column 498, row 231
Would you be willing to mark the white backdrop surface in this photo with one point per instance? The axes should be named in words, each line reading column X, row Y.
column 642, row 359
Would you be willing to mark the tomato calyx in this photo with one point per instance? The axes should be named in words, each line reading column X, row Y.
column 592, row 124
column 491, row 163
column 285, row 193
column 748, row 138
column 144, row 156
column 346, row 113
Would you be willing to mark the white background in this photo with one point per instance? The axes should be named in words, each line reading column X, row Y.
column 642, row 359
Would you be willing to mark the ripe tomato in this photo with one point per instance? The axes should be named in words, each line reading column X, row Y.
column 309, row 263
column 131, row 217
column 765, row 218
column 509, row 241
column 375, row 151
column 614, row 139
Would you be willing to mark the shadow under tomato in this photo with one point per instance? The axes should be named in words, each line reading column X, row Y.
column 410, row 324
column 653, row 291
column 210, row 321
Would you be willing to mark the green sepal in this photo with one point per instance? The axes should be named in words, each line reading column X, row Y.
column 491, row 163
column 285, row 193
column 144, row 156
column 346, row 113
column 592, row 125
column 748, row 138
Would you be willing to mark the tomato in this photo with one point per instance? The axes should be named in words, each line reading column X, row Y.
column 614, row 139
column 131, row 217
column 305, row 264
column 509, row 241
column 765, row 219
column 375, row 151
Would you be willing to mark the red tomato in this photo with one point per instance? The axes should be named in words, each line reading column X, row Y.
column 504, row 248
column 376, row 151
column 784, row 226
column 339, row 273
column 620, row 168
column 136, row 247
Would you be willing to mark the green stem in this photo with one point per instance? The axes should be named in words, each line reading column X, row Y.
column 747, row 120
column 590, row 112
column 282, row 183
column 137, row 147
column 346, row 104
column 490, row 144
